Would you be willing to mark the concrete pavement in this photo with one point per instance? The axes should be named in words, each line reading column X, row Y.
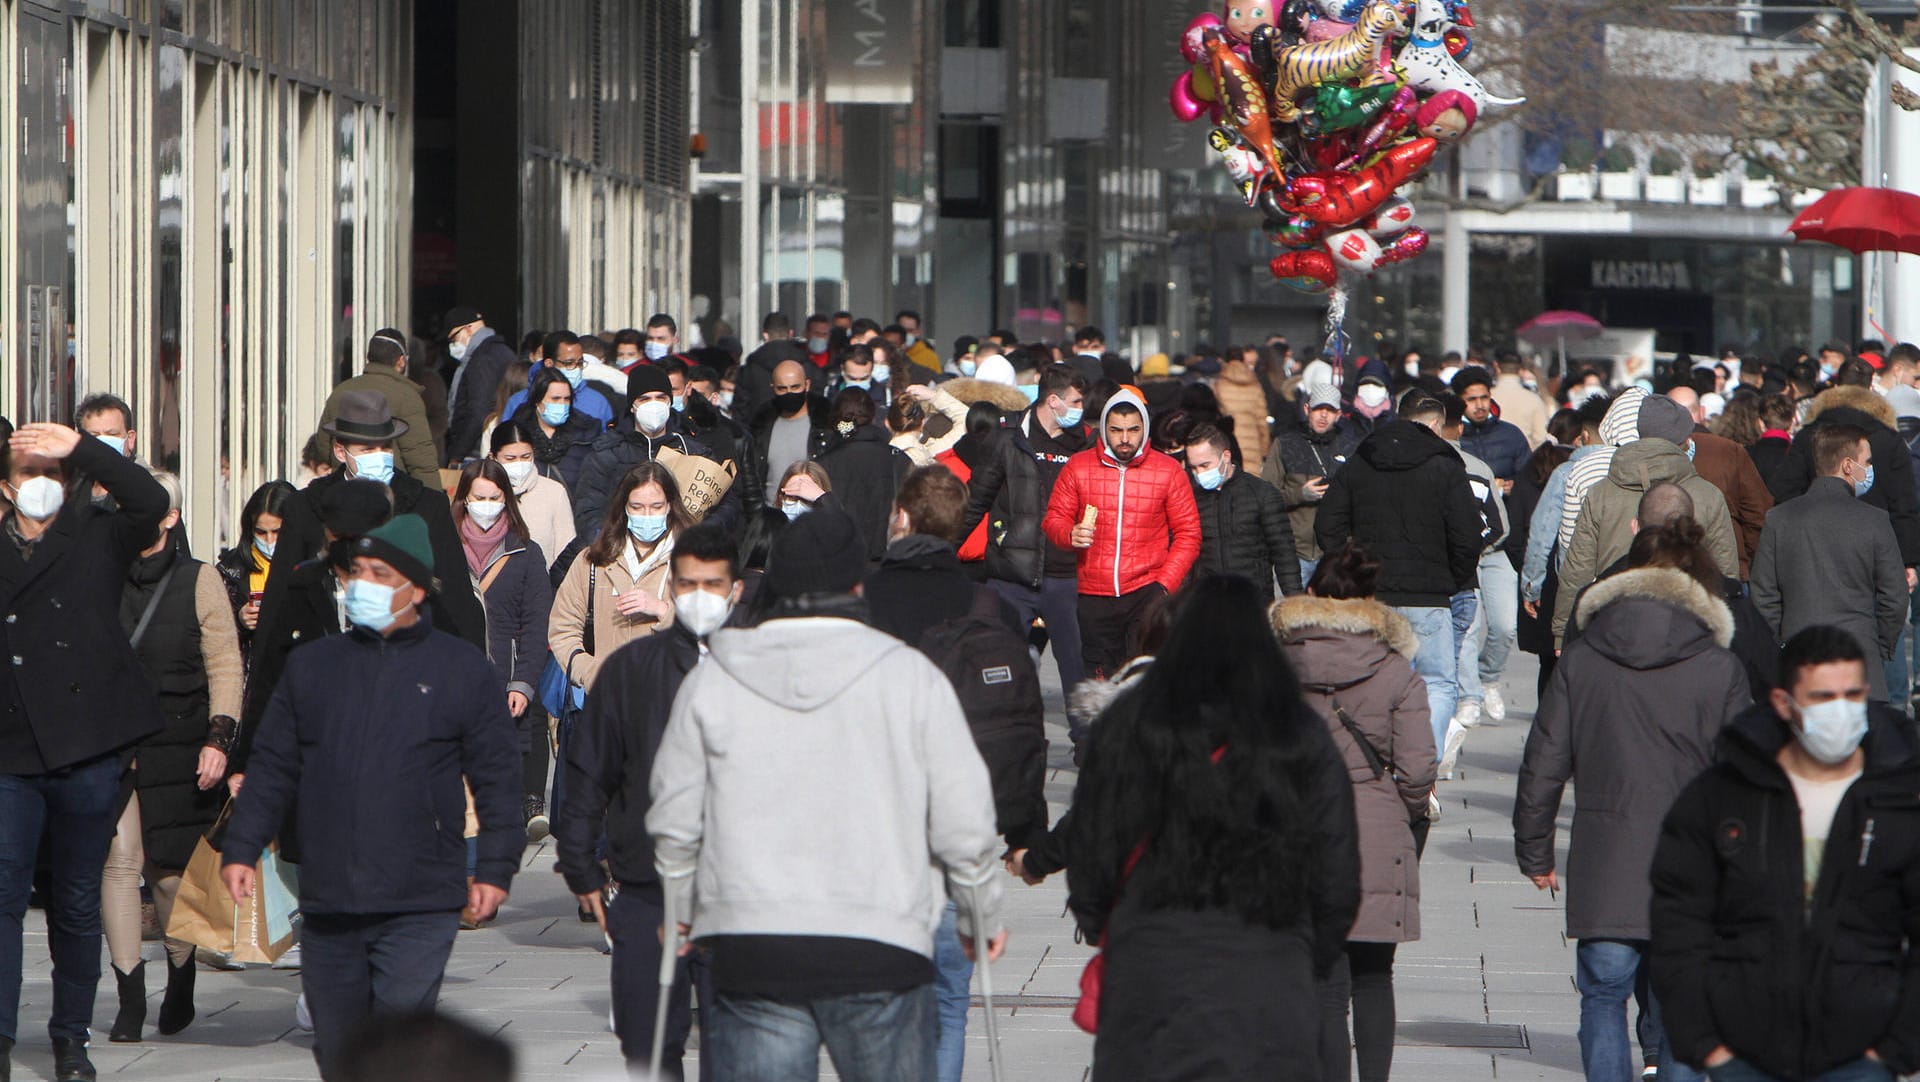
column 1488, row 992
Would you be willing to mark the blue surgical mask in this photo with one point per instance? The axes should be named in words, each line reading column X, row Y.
column 793, row 508
column 816, row 345
column 1070, row 418
column 457, row 350
column 1031, row 391
column 556, row 413
column 679, row 403
column 882, row 373
column 656, row 351
column 1209, row 479
column 1830, row 731
column 118, row 443
column 968, row 366
column 263, row 548
column 863, row 384
column 575, row 376
column 1865, row 484
column 646, row 528
column 370, row 605
column 374, row 466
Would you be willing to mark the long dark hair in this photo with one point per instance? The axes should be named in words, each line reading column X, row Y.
column 493, row 471
column 1229, row 835
column 269, row 499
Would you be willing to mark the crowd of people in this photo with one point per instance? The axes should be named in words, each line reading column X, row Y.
column 617, row 588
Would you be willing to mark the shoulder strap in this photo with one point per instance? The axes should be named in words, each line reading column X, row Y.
column 153, row 605
column 593, row 587
column 1376, row 762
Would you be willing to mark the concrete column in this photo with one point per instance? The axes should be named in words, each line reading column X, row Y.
column 1454, row 244
column 1899, row 314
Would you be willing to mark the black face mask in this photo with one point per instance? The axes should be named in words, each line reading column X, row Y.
column 790, row 403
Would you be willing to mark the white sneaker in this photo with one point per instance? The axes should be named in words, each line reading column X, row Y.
column 289, row 960
column 1433, row 806
column 302, row 1017
column 1450, row 752
column 1494, row 703
column 1467, row 714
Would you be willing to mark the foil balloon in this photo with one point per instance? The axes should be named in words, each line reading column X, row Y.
column 1354, row 55
column 1244, row 104
column 1393, row 119
column 1430, row 68
column 1404, row 247
column 1185, row 103
column 1310, row 271
column 1394, row 216
column 1193, row 45
column 1354, row 251
column 1344, row 198
column 1447, row 116
column 1243, row 162
column 1337, row 107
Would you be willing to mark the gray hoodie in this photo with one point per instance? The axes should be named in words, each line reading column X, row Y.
column 816, row 778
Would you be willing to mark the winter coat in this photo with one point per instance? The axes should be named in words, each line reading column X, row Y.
column 866, row 473
column 567, row 626
column 236, row 567
column 192, row 658
column 562, row 455
column 973, row 548
column 518, row 602
column 1242, row 398
column 1146, row 529
column 76, row 691
column 1404, row 494
column 610, row 761
column 865, row 743
column 1753, row 640
column 761, row 440
column 1301, row 455
column 729, row 442
column 1828, row 558
column 477, row 385
column 1620, row 427
column 370, row 737
column 619, row 450
column 1910, row 435
column 1725, row 465
column 1358, row 655
column 1604, row 531
column 1769, row 455
column 1739, row 960
column 1244, row 530
column 1522, row 408
column 413, row 449
column 754, row 388
column 1499, row 444
column 1630, row 715
column 1010, row 492
column 921, row 447
column 1893, row 490
column 548, row 513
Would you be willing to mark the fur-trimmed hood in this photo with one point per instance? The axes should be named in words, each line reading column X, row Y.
column 1856, row 398
column 1091, row 698
column 1651, row 617
column 970, row 390
column 1341, row 643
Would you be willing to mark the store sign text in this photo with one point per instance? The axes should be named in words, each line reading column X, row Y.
column 1640, row 274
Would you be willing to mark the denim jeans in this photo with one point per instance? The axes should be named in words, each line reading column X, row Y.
column 1860, row 1070
column 355, row 966
column 1497, row 624
column 953, row 983
column 872, row 1037
column 1057, row 601
column 1436, row 661
column 1901, row 667
column 633, row 922
column 1607, row 971
column 1466, row 616
column 1306, row 570
column 78, row 807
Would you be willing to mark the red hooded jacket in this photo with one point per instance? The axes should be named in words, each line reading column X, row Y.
column 1147, row 529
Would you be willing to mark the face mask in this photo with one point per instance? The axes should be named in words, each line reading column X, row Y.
column 486, row 512
column 1070, row 418
column 790, row 403
column 657, row 351
column 793, row 509
column 374, row 466
column 647, row 528
column 701, row 612
column 556, row 413
column 263, row 548
column 723, row 400
column 1830, row 731
column 1412, row 369
column 1371, row 395
column 1865, row 484
column 1209, row 479
column 575, row 376
column 1691, row 450
column 863, row 384
column 908, row 339
column 882, row 373
column 457, row 350
column 968, row 367
column 118, row 443
column 39, row 498
column 370, row 605
column 652, row 415
column 816, row 345
column 680, row 403
column 519, row 473
column 1031, row 391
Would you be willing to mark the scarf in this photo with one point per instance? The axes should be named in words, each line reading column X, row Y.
column 481, row 545
column 547, row 450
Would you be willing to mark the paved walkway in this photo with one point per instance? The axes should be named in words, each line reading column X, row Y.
column 1493, row 973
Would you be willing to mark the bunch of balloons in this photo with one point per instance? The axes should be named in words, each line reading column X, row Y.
column 1323, row 109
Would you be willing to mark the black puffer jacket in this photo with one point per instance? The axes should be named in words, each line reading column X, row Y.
column 563, row 454
column 1404, row 494
column 760, row 438
column 866, row 472
column 1012, row 487
column 621, row 449
column 1738, row 959
column 1300, row 455
column 1244, row 531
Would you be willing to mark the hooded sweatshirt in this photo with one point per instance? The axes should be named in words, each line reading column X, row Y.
column 797, row 743
column 1618, row 428
column 1146, row 527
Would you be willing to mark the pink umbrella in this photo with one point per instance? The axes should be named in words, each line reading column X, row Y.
column 1557, row 326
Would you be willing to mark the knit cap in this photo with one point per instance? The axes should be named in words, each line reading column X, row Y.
column 821, row 552
column 404, row 545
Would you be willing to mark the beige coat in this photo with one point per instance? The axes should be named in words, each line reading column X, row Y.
column 1522, row 408
column 548, row 514
column 921, row 450
column 566, row 627
column 1242, row 398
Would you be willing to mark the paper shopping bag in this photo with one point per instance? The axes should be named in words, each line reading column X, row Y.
column 258, row 931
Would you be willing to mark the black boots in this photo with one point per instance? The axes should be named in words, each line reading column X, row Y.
column 6, row 1059
column 133, row 1005
column 70, row 1062
column 176, row 1007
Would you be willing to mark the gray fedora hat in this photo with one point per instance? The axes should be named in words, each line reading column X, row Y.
column 364, row 417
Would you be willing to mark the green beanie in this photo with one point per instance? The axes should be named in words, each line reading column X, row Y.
column 402, row 543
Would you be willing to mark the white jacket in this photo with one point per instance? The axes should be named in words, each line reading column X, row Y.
column 816, row 778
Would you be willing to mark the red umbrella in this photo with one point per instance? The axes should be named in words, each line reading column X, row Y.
column 1559, row 325
column 1863, row 220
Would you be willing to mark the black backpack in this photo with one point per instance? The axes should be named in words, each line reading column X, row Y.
column 999, row 690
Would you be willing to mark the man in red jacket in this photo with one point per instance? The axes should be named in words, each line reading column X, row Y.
column 1129, row 512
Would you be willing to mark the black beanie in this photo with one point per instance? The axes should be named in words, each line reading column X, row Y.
column 821, row 552
column 645, row 379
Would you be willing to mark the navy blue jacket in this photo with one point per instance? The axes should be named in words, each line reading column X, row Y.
column 1499, row 444
column 370, row 736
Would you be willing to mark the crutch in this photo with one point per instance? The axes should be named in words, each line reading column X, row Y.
column 984, row 966
column 669, row 964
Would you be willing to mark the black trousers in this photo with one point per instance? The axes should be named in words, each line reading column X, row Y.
column 354, row 966
column 634, row 924
column 1363, row 977
column 533, row 741
column 1106, row 628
